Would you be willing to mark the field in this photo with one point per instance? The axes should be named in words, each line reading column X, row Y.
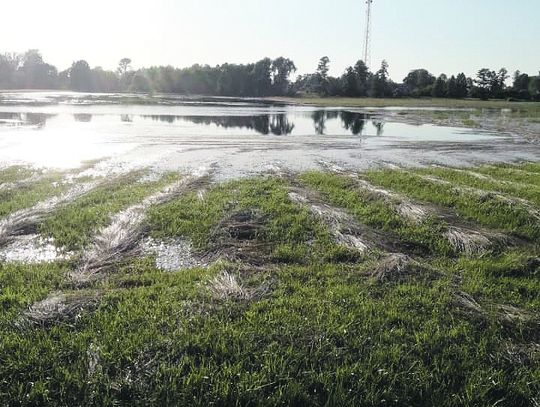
column 387, row 287
column 413, row 103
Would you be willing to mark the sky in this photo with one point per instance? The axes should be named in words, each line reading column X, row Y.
column 447, row 36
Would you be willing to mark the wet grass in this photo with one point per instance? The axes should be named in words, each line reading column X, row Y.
column 325, row 336
column 317, row 329
column 521, row 109
column 31, row 193
column 487, row 210
column 73, row 226
column 525, row 174
column 493, row 182
column 282, row 230
column 22, row 285
column 14, row 173
column 341, row 191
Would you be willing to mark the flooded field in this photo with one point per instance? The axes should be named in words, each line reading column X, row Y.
column 237, row 137
column 212, row 249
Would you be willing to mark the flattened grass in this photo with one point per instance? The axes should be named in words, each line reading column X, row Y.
column 291, row 232
column 341, row 191
column 14, row 173
column 74, row 225
column 485, row 210
column 324, row 334
column 529, row 192
column 29, row 194
column 323, row 337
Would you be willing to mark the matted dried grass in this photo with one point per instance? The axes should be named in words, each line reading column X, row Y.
column 25, row 221
column 120, row 240
column 226, row 286
column 60, row 307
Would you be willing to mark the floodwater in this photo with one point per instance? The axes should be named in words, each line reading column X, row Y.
column 237, row 137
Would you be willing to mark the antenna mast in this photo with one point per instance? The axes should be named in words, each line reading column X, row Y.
column 367, row 39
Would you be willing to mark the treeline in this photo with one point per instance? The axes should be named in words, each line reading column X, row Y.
column 267, row 77
column 358, row 81
column 264, row 78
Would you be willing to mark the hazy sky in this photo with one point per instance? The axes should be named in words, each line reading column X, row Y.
column 440, row 35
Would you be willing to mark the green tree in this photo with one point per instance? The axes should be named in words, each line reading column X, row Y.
column 9, row 63
column 349, row 83
column 462, row 86
column 282, row 68
column 262, row 78
column 323, row 67
column 35, row 73
column 124, row 66
column 379, row 86
column 419, row 82
column 80, row 77
column 452, row 87
column 484, row 81
column 534, row 87
column 439, row 87
column 362, row 75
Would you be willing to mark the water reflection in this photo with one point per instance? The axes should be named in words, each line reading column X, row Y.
column 20, row 119
column 324, row 122
column 276, row 124
column 379, row 126
column 83, row 117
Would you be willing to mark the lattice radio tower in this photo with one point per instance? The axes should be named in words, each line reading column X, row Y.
column 367, row 39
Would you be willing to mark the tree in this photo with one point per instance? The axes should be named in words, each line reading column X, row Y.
column 379, row 82
column 362, row 75
column 323, row 67
column 498, row 83
column 484, row 80
column 452, row 87
column 322, row 76
column 281, row 70
column 419, row 82
column 534, row 87
column 34, row 73
column 349, row 83
column 124, row 66
column 81, row 77
column 462, row 86
column 261, row 79
column 439, row 88
column 9, row 63
column 490, row 83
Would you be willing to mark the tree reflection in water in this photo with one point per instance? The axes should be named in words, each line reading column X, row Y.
column 354, row 122
column 319, row 120
column 276, row 124
column 39, row 120
column 82, row 117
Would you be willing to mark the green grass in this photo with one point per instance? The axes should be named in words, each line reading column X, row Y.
column 323, row 337
column 527, row 191
column 524, row 174
column 469, row 122
column 74, row 226
column 30, row 194
column 524, row 109
column 22, row 285
column 290, row 232
column 488, row 211
column 14, row 173
column 341, row 191
column 324, row 333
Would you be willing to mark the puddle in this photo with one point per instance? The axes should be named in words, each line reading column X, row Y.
column 32, row 249
column 173, row 255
